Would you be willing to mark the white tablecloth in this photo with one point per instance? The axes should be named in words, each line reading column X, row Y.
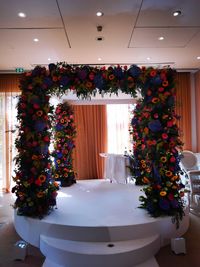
column 116, row 167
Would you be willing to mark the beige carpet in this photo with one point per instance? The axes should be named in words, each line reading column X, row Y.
column 165, row 257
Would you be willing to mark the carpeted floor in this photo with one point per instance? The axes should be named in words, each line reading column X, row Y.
column 165, row 257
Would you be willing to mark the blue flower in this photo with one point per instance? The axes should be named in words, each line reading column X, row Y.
column 164, row 204
column 64, row 81
column 134, row 71
column 99, row 82
column 155, row 125
column 40, row 126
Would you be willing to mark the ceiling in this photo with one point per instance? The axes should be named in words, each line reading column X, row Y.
column 67, row 31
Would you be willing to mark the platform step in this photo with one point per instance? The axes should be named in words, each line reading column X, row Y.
column 148, row 263
column 67, row 253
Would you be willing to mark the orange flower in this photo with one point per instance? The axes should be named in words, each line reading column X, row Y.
column 155, row 100
column 144, row 165
column 130, row 79
column 56, row 176
column 163, row 159
column 163, row 193
column 146, row 130
column 42, row 178
column 168, row 173
column 88, row 85
column 145, row 180
column 56, row 184
column 55, row 78
column 111, row 77
column 39, row 113
column 40, row 194
column 165, row 83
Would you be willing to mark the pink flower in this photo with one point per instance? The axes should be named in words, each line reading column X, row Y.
column 155, row 115
column 169, row 123
column 164, row 136
column 172, row 159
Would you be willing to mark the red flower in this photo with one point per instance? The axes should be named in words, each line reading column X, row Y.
column 153, row 73
column 46, row 138
column 170, row 196
column 161, row 89
column 36, row 106
column 91, row 76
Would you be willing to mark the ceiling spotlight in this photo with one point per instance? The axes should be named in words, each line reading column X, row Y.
column 148, row 58
column 99, row 14
column 160, row 38
column 36, row 40
column 198, row 57
column 99, row 58
column 177, row 13
column 49, row 59
column 21, row 15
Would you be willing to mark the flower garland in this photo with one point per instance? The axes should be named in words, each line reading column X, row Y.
column 157, row 146
column 87, row 80
column 35, row 190
column 64, row 134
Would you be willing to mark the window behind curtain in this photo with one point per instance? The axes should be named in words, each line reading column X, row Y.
column 8, row 122
column 118, row 126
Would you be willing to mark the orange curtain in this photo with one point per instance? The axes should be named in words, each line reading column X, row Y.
column 183, row 107
column 91, row 140
column 9, row 83
column 197, row 104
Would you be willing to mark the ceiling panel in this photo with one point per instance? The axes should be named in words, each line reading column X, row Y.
column 157, row 13
column 173, row 37
column 40, row 13
column 81, row 21
column 19, row 50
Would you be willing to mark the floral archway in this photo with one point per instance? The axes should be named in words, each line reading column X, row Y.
column 155, row 133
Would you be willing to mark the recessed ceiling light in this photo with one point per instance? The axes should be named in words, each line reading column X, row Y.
column 160, row 38
column 198, row 57
column 49, row 59
column 177, row 13
column 99, row 58
column 99, row 14
column 21, row 15
column 36, row 40
column 148, row 58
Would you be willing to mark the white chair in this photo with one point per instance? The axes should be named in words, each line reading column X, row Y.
column 189, row 164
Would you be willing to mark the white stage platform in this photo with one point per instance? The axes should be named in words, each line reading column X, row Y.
column 98, row 223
